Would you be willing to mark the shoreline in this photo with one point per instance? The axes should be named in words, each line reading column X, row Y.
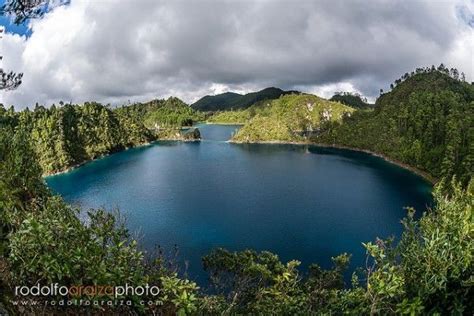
column 426, row 176
column 73, row 167
column 272, row 142
column 403, row 165
column 221, row 123
column 414, row 170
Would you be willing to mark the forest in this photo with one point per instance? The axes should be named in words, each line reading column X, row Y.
column 425, row 121
column 67, row 135
column 353, row 100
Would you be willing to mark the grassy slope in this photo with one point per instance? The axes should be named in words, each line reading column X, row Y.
column 230, row 117
column 285, row 118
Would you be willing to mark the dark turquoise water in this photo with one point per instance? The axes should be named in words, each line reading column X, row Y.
column 301, row 202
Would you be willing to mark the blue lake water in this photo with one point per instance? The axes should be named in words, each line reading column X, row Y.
column 300, row 202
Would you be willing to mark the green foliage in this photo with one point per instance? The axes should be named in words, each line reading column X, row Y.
column 54, row 245
column 431, row 269
column 172, row 113
column 290, row 118
column 234, row 101
column 192, row 134
column 353, row 100
column 425, row 121
column 231, row 117
column 21, row 186
column 180, row 293
column 69, row 135
column 266, row 129
column 249, row 282
column 437, row 253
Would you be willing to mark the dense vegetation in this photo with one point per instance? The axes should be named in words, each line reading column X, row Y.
column 428, row 271
column 290, row 118
column 235, row 101
column 69, row 135
column 231, row 117
column 353, row 100
column 169, row 113
column 426, row 121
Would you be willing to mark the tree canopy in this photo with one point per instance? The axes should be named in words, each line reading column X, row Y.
column 426, row 121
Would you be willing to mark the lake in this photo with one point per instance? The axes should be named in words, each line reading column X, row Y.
column 300, row 202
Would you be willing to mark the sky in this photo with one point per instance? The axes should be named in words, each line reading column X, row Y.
column 136, row 50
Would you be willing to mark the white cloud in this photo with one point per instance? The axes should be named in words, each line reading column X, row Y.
column 328, row 90
column 115, row 51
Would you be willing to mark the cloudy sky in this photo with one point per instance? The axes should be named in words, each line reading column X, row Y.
column 115, row 51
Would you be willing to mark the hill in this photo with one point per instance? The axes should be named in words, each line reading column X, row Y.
column 171, row 112
column 68, row 135
column 234, row 101
column 354, row 100
column 291, row 118
column 426, row 121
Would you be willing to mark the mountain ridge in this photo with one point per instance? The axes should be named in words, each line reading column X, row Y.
column 235, row 101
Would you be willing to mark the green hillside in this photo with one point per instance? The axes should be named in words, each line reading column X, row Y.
column 289, row 118
column 230, row 117
column 68, row 135
column 426, row 121
column 234, row 101
column 353, row 100
column 217, row 102
column 171, row 112
column 241, row 116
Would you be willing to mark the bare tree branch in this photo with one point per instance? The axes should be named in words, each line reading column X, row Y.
column 23, row 10
column 9, row 80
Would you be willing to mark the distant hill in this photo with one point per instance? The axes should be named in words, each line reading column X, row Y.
column 351, row 99
column 235, row 101
column 426, row 121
